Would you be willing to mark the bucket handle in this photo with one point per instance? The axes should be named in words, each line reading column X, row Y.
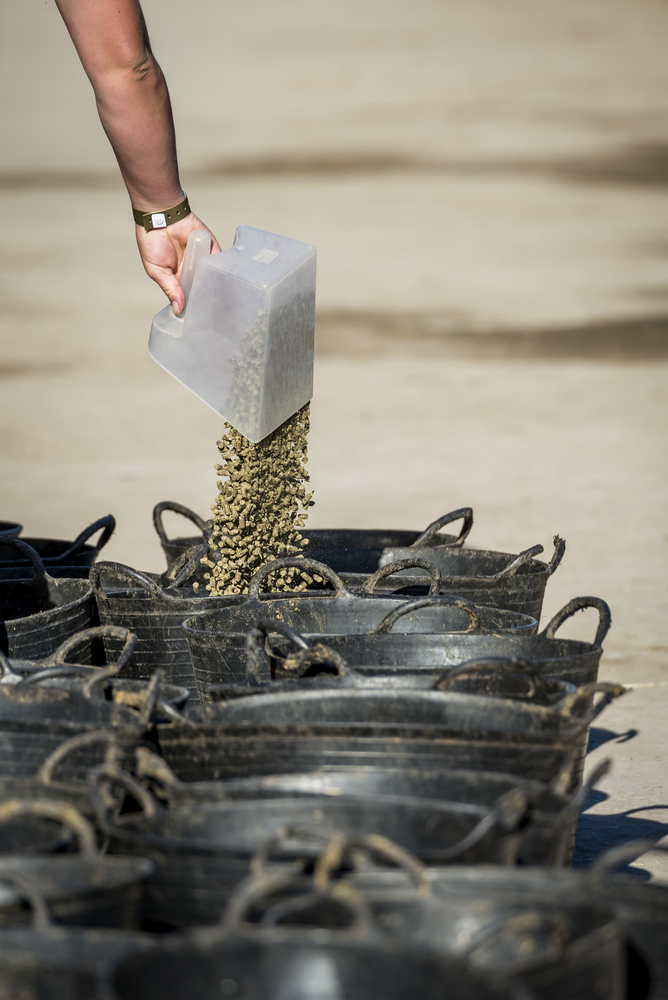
column 342, row 893
column 151, row 698
column 178, row 508
column 256, row 886
column 149, row 765
column 7, row 674
column 79, row 742
column 183, row 566
column 62, row 812
column 258, row 669
column 609, row 690
column 27, row 551
column 585, row 789
column 152, row 588
column 443, row 682
column 28, row 889
column 301, row 562
column 442, row 600
column 508, row 811
column 55, row 665
column 106, row 524
column 432, row 529
column 397, row 567
column 265, row 626
column 137, row 791
column 557, row 555
column 377, row 845
column 307, row 655
column 581, row 604
column 517, row 562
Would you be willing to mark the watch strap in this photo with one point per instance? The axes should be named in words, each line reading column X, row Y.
column 160, row 220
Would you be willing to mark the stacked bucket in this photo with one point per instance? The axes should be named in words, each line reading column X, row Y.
column 367, row 790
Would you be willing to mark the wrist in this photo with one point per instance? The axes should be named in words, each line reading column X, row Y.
column 160, row 218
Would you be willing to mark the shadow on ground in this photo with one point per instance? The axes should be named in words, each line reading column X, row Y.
column 428, row 334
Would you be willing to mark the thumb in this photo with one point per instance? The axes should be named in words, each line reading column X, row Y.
column 175, row 294
column 170, row 286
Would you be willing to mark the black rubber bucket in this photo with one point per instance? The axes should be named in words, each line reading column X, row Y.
column 48, row 961
column 514, row 582
column 109, row 582
column 37, row 615
column 557, row 945
column 69, row 711
column 203, row 850
column 356, row 550
column 500, row 579
column 640, row 910
column 303, row 665
column 155, row 614
column 359, row 550
column 394, row 656
column 344, row 699
column 86, row 888
column 217, row 749
column 175, row 547
column 216, row 638
column 55, row 552
column 326, row 952
column 547, row 829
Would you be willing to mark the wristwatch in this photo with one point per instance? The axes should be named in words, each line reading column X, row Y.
column 160, row 220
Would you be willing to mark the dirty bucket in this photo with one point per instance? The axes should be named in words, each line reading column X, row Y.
column 300, row 663
column 500, row 579
column 389, row 655
column 547, row 829
column 41, row 711
column 360, row 550
column 37, row 615
column 203, row 850
column 328, row 952
column 216, row 638
column 345, row 550
column 514, row 582
column 86, row 888
column 203, row 746
column 556, row 946
column 155, row 614
column 640, row 910
column 47, row 961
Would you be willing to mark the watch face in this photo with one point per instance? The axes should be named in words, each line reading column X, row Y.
column 158, row 220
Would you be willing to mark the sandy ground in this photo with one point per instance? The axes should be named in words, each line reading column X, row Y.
column 485, row 184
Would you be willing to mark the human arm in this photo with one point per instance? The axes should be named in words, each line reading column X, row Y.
column 133, row 103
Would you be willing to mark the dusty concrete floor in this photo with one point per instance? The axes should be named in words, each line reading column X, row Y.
column 485, row 184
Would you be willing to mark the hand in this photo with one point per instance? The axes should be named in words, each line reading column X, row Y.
column 162, row 252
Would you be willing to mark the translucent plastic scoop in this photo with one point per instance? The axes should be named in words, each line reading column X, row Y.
column 244, row 343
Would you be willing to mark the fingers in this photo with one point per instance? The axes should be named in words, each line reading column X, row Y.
column 162, row 252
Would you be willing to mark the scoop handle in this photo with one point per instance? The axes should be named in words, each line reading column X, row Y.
column 199, row 245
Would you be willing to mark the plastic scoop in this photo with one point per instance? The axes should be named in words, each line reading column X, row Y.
column 244, row 342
